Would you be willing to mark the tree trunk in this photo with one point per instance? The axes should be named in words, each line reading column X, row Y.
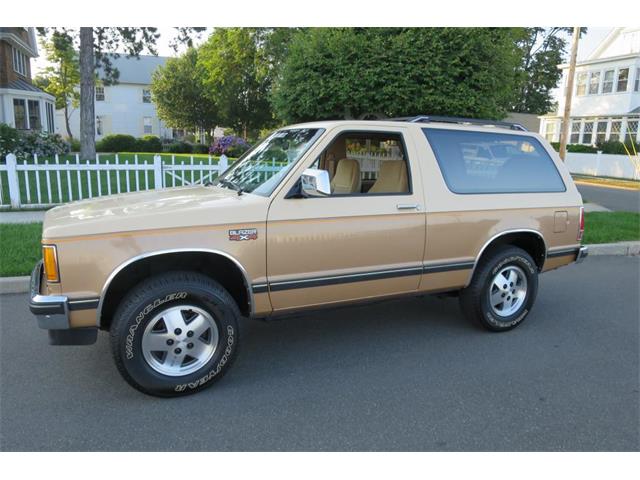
column 66, row 119
column 87, row 88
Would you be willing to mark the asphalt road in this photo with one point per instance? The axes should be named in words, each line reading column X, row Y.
column 410, row 374
column 613, row 198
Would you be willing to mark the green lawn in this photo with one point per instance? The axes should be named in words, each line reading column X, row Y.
column 607, row 227
column 20, row 248
column 607, row 181
column 66, row 186
column 21, row 242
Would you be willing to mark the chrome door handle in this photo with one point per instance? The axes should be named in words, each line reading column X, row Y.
column 408, row 206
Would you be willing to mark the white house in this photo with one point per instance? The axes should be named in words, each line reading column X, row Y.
column 606, row 99
column 22, row 105
column 125, row 107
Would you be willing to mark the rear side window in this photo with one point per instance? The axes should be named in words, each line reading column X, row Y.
column 479, row 162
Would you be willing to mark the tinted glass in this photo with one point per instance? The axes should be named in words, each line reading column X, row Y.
column 478, row 162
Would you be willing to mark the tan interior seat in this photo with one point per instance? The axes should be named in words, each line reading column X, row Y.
column 392, row 178
column 347, row 177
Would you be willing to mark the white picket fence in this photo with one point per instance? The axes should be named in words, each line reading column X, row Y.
column 36, row 182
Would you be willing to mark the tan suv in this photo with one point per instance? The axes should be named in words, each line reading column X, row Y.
column 317, row 215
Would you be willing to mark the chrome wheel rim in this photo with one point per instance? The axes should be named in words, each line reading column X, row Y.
column 180, row 340
column 508, row 291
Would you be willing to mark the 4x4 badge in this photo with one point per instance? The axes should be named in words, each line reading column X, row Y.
column 243, row 234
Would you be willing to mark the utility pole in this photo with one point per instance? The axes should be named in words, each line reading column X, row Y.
column 569, row 94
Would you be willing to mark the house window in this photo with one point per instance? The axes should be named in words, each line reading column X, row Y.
column 146, row 95
column 575, row 132
column 623, row 79
column 616, row 126
column 637, row 86
column 50, row 117
column 35, row 122
column 587, row 134
column 594, row 83
column 632, row 129
column 99, row 126
column 601, row 132
column 148, row 128
column 20, row 113
column 99, row 94
column 582, row 84
column 19, row 62
column 550, row 131
column 607, row 82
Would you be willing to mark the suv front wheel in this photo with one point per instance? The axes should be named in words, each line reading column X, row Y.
column 175, row 334
column 502, row 290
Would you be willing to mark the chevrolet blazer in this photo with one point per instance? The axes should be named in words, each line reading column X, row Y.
column 318, row 214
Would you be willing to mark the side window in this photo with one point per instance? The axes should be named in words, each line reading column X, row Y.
column 367, row 163
column 479, row 162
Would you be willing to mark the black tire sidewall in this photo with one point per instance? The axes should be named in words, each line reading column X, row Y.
column 127, row 343
column 515, row 257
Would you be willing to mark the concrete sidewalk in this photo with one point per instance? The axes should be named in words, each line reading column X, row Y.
column 22, row 217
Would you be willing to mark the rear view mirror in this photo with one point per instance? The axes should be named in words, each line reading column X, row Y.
column 315, row 183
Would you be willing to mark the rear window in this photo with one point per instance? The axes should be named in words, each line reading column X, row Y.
column 479, row 162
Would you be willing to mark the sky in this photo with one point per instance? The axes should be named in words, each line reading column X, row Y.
column 588, row 44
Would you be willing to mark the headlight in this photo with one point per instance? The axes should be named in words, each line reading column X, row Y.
column 50, row 258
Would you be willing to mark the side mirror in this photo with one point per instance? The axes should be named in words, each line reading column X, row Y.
column 315, row 183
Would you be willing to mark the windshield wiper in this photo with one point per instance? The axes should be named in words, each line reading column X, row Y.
column 231, row 185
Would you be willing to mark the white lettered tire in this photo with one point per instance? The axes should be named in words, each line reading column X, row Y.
column 175, row 334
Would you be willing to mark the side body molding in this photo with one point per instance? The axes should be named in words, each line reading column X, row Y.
column 132, row 260
column 501, row 234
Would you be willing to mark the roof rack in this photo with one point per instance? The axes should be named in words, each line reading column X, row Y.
column 461, row 121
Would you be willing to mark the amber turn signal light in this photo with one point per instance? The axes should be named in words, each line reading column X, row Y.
column 50, row 258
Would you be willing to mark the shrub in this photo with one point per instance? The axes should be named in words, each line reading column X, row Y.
column 200, row 148
column 25, row 144
column 617, row 148
column 117, row 143
column 179, row 147
column 229, row 145
column 575, row 147
column 75, row 145
column 10, row 141
column 148, row 143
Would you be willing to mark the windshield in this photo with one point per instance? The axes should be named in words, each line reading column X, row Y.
column 262, row 168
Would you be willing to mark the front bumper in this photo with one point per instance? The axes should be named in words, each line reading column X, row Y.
column 52, row 313
column 583, row 253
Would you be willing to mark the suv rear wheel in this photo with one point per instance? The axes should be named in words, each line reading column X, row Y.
column 175, row 334
column 502, row 290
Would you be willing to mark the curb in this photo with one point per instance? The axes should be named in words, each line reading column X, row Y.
column 619, row 249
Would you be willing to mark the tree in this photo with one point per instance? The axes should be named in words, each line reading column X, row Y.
column 98, row 46
column 362, row 72
column 541, row 50
column 237, row 78
column 180, row 96
column 62, row 77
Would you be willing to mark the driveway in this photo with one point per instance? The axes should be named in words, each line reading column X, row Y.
column 612, row 198
column 410, row 374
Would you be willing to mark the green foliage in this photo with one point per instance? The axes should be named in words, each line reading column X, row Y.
column 62, row 76
column 361, row 72
column 180, row 96
column 10, row 141
column 237, row 77
column 540, row 50
column 149, row 143
column 200, row 148
column 618, row 148
column 74, row 144
column 117, row 143
column 575, row 147
column 179, row 147
column 24, row 144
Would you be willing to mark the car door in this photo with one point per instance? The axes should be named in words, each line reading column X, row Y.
column 332, row 249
